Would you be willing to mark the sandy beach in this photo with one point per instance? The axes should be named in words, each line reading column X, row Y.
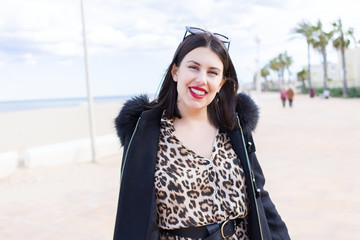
column 309, row 155
column 23, row 129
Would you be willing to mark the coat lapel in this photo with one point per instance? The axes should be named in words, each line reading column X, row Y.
column 136, row 190
column 238, row 146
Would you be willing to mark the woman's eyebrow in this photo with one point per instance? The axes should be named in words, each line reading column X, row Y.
column 192, row 61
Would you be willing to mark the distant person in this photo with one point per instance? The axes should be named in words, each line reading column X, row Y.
column 326, row 93
column 312, row 92
column 283, row 96
column 290, row 96
column 189, row 168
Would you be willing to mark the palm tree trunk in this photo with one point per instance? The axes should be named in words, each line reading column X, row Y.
column 279, row 79
column 345, row 87
column 266, row 84
column 303, row 87
column 325, row 68
column 309, row 73
column 288, row 70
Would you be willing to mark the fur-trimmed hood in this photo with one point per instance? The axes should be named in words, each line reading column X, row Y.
column 126, row 121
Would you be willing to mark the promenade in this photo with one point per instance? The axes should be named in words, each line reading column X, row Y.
column 309, row 153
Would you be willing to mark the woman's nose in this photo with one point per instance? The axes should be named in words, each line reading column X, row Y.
column 201, row 78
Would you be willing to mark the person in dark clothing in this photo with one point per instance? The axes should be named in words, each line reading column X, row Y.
column 189, row 168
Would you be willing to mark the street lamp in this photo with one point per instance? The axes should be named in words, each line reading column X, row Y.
column 89, row 96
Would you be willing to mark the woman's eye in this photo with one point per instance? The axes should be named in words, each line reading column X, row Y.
column 213, row 73
column 193, row 67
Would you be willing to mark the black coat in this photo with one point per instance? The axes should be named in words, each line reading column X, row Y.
column 138, row 129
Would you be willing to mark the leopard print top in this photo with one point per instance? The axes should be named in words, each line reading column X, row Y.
column 194, row 191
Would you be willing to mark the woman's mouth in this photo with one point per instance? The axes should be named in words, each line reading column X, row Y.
column 197, row 92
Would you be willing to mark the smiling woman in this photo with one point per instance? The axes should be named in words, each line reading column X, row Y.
column 189, row 170
column 205, row 72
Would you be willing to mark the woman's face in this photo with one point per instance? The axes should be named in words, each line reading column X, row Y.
column 199, row 77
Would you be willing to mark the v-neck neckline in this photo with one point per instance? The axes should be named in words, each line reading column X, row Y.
column 171, row 130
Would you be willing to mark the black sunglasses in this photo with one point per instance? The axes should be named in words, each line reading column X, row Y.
column 195, row 30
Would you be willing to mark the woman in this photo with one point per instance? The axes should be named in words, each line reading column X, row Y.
column 189, row 169
column 283, row 96
column 290, row 96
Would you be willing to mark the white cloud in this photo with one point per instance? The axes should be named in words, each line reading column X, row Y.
column 41, row 27
column 106, row 36
column 114, row 26
column 29, row 59
column 64, row 48
column 65, row 62
column 55, row 27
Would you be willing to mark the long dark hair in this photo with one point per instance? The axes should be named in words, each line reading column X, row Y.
column 221, row 110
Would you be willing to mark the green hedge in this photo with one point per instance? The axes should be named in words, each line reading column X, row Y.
column 354, row 92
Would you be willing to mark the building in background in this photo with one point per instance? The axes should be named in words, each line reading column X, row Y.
column 335, row 70
column 334, row 75
column 352, row 57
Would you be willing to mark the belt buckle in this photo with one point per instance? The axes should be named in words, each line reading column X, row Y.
column 222, row 229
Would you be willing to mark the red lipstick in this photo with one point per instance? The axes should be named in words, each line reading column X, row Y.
column 194, row 91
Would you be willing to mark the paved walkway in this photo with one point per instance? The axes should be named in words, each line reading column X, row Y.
column 309, row 153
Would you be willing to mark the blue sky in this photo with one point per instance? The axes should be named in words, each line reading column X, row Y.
column 130, row 43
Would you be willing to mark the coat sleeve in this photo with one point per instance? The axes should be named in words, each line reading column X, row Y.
column 275, row 224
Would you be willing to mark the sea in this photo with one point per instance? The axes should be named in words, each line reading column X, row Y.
column 22, row 105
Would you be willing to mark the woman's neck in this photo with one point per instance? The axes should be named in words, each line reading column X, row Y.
column 194, row 120
column 196, row 115
column 196, row 132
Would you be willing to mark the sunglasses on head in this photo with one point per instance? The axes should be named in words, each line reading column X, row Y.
column 194, row 30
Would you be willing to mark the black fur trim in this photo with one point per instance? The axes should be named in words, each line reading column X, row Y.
column 248, row 113
column 129, row 114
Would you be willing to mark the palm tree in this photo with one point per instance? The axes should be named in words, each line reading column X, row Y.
column 274, row 65
column 302, row 76
column 341, row 43
column 288, row 61
column 319, row 41
column 265, row 73
column 305, row 29
column 281, row 63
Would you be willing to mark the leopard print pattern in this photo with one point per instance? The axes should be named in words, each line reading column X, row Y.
column 193, row 191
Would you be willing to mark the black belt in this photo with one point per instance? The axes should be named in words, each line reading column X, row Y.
column 213, row 231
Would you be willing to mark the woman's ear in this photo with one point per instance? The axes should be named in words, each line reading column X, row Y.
column 222, row 83
column 174, row 72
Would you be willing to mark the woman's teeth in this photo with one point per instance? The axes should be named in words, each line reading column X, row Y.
column 198, row 92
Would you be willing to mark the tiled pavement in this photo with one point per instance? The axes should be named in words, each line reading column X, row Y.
column 310, row 156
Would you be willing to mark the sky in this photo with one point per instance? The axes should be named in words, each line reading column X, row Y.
column 131, row 43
